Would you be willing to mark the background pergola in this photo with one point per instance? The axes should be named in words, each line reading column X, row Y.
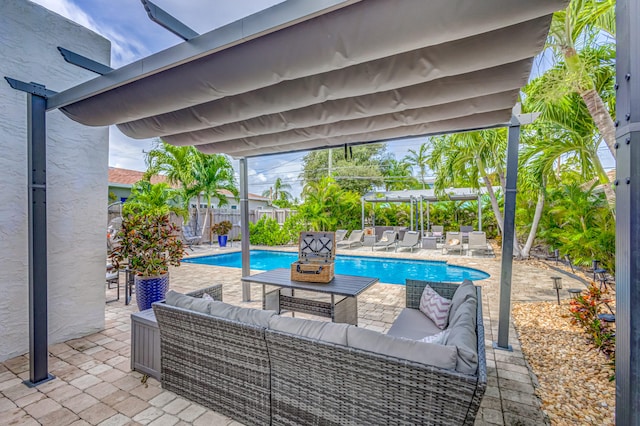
column 419, row 196
column 313, row 74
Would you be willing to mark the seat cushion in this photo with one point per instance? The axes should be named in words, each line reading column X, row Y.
column 317, row 330
column 435, row 307
column 251, row 316
column 425, row 353
column 412, row 324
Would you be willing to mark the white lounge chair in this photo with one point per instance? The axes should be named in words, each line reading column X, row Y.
column 464, row 231
column 438, row 232
column 340, row 234
column 387, row 240
column 354, row 238
column 452, row 243
column 410, row 240
column 478, row 241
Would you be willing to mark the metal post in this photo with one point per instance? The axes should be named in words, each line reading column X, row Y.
column 479, row 212
column 362, row 203
column 421, row 218
column 627, row 208
column 244, row 228
column 509, row 232
column 37, row 198
column 411, row 213
column 428, row 217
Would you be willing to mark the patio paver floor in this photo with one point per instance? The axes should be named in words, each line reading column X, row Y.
column 94, row 383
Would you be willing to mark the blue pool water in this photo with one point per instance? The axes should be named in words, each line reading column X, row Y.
column 388, row 270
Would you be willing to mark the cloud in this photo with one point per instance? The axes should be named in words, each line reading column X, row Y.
column 127, row 153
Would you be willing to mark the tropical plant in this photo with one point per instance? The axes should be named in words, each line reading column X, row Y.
column 278, row 191
column 221, row 228
column 148, row 243
column 327, row 206
column 397, row 175
column 419, row 159
column 268, row 232
column 154, row 199
column 585, row 23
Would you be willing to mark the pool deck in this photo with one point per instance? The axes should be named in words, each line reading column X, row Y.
column 94, row 383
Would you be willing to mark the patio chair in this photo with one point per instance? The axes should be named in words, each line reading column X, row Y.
column 438, row 232
column 387, row 240
column 113, row 277
column 478, row 241
column 452, row 243
column 464, row 231
column 411, row 239
column 340, row 234
column 190, row 237
column 354, row 238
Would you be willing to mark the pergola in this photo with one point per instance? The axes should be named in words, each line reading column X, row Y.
column 314, row 74
column 412, row 196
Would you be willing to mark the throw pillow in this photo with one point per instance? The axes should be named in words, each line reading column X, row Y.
column 435, row 307
column 207, row 296
column 453, row 242
column 438, row 338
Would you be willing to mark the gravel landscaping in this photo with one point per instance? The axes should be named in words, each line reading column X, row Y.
column 574, row 384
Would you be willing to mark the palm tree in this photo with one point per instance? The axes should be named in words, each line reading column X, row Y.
column 175, row 162
column 420, row 160
column 397, row 175
column 278, row 191
column 155, row 199
column 585, row 22
column 212, row 174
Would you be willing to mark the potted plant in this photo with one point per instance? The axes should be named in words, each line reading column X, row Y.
column 221, row 229
column 148, row 244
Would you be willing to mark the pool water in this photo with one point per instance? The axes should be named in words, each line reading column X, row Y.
column 387, row 270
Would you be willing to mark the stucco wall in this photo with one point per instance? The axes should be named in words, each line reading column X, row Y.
column 76, row 181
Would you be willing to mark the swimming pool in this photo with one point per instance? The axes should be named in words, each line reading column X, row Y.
column 388, row 270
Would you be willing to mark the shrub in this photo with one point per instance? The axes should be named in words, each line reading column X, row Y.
column 267, row 232
column 585, row 310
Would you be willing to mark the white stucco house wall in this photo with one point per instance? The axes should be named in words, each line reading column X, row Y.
column 77, row 160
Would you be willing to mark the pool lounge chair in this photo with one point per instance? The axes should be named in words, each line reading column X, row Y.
column 340, row 234
column 478, row 241
column 411, row 239
column 452, row 243
column 387, row 240
column 438, row 232
column 464, row 231
column 355, row 238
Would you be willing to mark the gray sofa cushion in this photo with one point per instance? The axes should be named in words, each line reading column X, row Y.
column 465, row 291
column 462, row 335
column 425, row 353
column 236, row 313
column 412, row 324
column 317, row 330
column 196, row 304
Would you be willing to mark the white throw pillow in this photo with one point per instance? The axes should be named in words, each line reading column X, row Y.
column 207, row 296
column 438, row 338
column 435, row 307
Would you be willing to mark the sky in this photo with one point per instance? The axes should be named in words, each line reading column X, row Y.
column 134, row 36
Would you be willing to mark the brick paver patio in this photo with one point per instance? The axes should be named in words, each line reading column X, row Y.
column 95, row 386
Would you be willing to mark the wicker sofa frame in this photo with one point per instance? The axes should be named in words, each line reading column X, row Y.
column 263, row 376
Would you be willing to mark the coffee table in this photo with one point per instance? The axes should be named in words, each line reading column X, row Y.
column 343, row 289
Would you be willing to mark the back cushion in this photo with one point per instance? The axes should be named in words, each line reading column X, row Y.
column 465, row 291
column 196, row 304
column 317, row 330
column 462, row 335
column 412, row 350
column 244, row 315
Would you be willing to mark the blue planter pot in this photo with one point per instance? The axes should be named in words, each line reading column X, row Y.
column 222, row 240
column 151, row 289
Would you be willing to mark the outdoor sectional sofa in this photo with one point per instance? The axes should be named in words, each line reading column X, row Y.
column 262, row 368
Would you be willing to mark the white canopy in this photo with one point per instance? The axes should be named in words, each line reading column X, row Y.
column 312, row 74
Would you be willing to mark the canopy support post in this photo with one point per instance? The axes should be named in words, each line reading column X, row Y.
column 411, row 213
column 37, row 229
column 513, row 141
column 244, row 228
column 421, row 218
column 362, row 204
column 627, row 219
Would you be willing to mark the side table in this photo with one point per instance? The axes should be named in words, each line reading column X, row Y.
column 145, row 343
column 369, row 241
